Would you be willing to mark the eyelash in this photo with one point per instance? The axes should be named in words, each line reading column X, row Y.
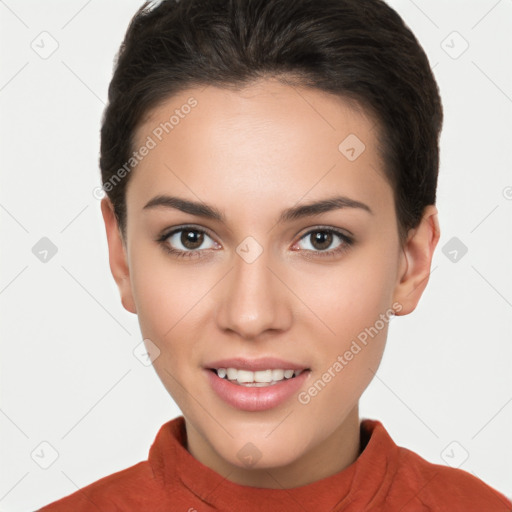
column 195, row 253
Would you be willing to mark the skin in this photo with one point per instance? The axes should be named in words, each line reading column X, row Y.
column 253, row 153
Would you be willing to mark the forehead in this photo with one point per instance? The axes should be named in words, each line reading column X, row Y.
column 266, row 143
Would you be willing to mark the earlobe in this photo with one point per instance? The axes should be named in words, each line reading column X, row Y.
column 416, row 261
column 117, row 256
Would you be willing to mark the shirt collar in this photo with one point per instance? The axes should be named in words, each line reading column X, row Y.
column 364, row 482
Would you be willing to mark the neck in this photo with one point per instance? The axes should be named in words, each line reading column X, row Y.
column 335, row 453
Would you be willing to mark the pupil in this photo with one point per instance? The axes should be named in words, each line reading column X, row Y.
column 323, row 239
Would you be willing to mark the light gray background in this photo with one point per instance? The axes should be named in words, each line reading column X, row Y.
column 68, row 373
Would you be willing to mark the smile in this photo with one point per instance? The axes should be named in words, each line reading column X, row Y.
column 260, row 378
column 247, row 394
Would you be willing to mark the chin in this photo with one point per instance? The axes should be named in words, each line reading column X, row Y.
column 255, row 448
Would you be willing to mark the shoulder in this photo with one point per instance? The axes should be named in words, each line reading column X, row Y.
column 142, row 486
column 443, row 488
column 110, row 493
column 410, row 483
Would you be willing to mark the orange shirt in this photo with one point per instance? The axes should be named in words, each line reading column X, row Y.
column 384, row 478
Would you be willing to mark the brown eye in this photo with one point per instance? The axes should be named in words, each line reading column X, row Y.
column 191, row 239
column 324, row 242
column 188, row 240
column 321, row 240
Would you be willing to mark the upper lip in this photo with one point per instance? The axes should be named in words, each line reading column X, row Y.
column 263, row 363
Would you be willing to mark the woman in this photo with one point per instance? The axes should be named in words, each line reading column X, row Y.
column 271, row 170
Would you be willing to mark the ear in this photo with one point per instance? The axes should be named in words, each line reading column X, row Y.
column 117, row 256
column 416, row 259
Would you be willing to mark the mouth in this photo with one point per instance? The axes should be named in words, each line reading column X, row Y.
column 256, row 385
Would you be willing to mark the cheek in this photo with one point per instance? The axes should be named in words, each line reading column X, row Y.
column 353, row 301
column 165, row 297
column 351, row 356
column 349, row 296
column 163, row 293
column 172, row 303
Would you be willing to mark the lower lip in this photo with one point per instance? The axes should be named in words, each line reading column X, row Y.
column 256, row 398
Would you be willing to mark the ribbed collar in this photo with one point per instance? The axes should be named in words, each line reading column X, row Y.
column 365, row 482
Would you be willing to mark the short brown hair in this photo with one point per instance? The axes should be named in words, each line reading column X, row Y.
column 357, row 49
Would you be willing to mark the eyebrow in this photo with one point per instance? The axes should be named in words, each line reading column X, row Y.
column 290, row 214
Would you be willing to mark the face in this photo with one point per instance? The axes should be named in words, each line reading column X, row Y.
column 234, row 265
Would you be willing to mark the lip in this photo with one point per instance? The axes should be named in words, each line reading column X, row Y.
column 255, row 398
column 263, row 363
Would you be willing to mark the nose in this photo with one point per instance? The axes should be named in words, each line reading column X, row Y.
column 253, row 299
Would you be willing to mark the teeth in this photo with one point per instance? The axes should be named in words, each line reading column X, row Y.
column 261, row 376
column 258, row 378
column 243, row 375
column 277, row 374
